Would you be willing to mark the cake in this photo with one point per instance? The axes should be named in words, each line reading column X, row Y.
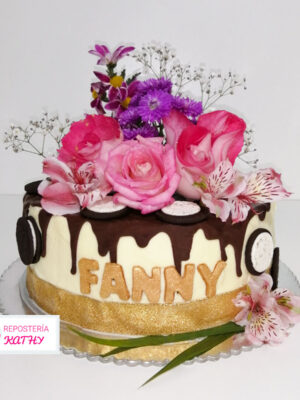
column 144, row 225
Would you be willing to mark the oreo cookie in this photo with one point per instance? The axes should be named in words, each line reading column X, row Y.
column 32, row 187
column 104, row 209
column 259, row 251
column 29, row 240
column 182, row 213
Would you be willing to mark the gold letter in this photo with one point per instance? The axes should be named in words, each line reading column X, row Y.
column 113, row 281
column 141, row 282
column 86, row 278
column 211, row 278
column 183, row 285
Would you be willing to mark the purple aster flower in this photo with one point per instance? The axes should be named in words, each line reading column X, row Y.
column 105, row 55
column 146, row 131
column 129, row 116
column 155, row 105
column 145, row 87
column 162, row 84
column 187, row 106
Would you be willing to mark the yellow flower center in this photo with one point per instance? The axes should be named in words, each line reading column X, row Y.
column 126, row 102
column 201, row 184
column 94, row 94
column 116, row 81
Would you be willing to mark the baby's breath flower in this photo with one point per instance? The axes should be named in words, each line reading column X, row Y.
column 37, row 136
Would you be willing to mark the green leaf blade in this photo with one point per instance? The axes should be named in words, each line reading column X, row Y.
column 154, row 340
column 193, row 351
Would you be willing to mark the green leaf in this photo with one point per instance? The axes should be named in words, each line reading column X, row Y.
column 123, row 73
column 118, row 350
column 194, row 351
column 132, row 78
column 154, row 340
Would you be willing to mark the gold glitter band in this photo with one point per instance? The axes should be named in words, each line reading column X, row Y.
column 131, row 319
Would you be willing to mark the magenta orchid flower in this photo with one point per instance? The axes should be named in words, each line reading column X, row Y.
column 69, row 189
column 266, row 315
column 119, row 93
column 98, row 90
column 120, row 97
column 106, row 57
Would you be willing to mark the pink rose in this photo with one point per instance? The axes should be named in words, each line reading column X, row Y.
column 86, row 138
column 218, row 136
column 143, row 173
column 69, row 189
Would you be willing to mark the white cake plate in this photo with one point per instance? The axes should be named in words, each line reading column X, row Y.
column 14, row 299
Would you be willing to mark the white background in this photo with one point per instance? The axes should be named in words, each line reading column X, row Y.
column 45, row 64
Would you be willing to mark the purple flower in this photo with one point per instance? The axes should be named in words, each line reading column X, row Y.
column 98, row 90
column 129, row 117
column 146, row 131
column 187, row 106
column 154, row 84
column 119, row 97
column 155, row 105
column 149, row 85
column 105, row 55
column 102, row 77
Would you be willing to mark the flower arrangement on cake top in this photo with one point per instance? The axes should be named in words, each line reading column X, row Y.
column 148, row 141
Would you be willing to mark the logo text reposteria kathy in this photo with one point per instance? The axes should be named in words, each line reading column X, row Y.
column 28, row 334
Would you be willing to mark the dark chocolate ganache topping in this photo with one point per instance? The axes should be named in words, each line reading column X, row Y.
column 144, row 227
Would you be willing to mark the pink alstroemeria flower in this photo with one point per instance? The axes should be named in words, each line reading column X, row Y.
column 105, row 55
column 266, row 315
column 226, row 191
column 262, row 186
column 219, row 188
column 217, row 136
column 69, row 189
column 288, row 305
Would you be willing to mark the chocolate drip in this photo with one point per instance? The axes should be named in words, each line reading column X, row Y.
column 75, row 222
column 227, row 233
column 30, row 200
column 144, row 227
column 44, row 219
column 262, row 210
column 275, row 268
